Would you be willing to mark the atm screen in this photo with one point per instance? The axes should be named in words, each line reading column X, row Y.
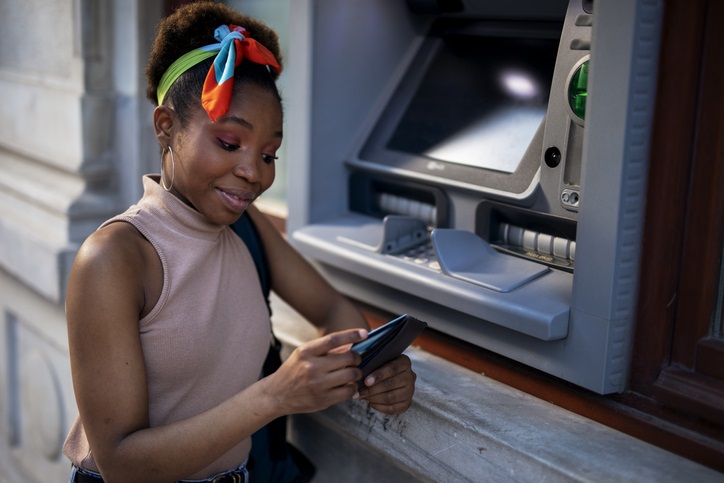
column 480, row 102
column 473, row 99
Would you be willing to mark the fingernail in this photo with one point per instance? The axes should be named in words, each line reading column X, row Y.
column 356, row 395
column 362, row 333
column 369, row 381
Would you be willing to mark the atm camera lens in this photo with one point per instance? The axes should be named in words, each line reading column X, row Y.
column 552, row 157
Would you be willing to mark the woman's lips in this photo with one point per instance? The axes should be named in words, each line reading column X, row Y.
column 236, row 200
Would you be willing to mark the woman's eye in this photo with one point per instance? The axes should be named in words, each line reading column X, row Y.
column 268, row 158
column 228, row 146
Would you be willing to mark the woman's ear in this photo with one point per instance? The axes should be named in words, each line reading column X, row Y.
column 163, row 121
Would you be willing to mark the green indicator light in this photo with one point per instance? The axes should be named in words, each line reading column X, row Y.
column 578, row 91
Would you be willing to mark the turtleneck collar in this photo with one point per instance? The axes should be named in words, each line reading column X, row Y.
column 181, row 216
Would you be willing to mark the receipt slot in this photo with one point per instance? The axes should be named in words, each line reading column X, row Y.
column 480, row 167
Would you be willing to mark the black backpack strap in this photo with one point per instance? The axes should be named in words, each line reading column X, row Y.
column 246, row 230
column 271, row 458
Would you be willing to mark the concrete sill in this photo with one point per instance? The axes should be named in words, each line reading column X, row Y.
column 464, row 426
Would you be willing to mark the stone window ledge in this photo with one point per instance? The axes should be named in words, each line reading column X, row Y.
column 464, row 426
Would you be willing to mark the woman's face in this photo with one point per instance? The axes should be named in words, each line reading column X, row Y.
column 222, row 166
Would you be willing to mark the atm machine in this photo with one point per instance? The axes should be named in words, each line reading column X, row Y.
column 481, row 165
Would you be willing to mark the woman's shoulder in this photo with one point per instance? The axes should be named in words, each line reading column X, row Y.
column 118, row 248
column 118, row 239
column 117, row 260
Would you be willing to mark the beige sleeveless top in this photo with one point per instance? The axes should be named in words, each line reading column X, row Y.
column 208, row 335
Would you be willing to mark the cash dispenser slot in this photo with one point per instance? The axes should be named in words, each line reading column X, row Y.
column 544, row 238
column 379, row 196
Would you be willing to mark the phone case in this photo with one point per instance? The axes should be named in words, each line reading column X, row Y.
column 387, row 342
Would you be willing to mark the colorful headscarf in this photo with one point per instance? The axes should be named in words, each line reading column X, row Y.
column 219, row 83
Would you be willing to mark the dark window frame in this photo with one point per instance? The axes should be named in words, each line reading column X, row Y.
column 677, row 362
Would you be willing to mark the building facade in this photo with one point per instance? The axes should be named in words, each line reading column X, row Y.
column 75, row 138
column 71, row 151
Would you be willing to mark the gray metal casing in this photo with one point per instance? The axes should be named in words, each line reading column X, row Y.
column 347, row 58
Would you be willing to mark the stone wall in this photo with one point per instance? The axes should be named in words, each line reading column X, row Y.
column 72, row 142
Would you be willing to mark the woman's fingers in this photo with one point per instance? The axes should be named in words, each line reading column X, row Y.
column 335, row 340
column 390, row 388
column 320, row 373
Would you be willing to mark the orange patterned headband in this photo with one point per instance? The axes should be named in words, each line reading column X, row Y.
column 234, row 46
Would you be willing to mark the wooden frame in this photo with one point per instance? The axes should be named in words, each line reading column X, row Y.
column 681, row 267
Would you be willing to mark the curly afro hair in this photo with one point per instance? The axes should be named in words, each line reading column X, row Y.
column 192, row 26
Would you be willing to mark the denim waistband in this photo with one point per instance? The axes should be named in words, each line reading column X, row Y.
column 237, row 475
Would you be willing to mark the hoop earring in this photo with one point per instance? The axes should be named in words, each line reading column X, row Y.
column 173, row 171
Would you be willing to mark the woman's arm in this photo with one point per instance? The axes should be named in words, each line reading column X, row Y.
column 390, row 388
column 108, row 291
column 301, row 286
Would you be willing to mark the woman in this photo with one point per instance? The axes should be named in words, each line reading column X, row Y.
column 168, row 327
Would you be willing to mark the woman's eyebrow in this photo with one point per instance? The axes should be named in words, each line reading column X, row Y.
column 238, row 120
column 244, row 123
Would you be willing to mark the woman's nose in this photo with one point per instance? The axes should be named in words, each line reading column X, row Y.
column 248, row 168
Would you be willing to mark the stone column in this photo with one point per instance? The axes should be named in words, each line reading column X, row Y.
column 74, row 139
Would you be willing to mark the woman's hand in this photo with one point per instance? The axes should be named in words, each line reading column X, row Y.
column 389, row 389
column 318, row 374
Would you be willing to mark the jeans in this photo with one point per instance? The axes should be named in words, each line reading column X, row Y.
column 240, row 469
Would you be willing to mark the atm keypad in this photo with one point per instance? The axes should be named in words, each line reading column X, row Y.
column 421, row 255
